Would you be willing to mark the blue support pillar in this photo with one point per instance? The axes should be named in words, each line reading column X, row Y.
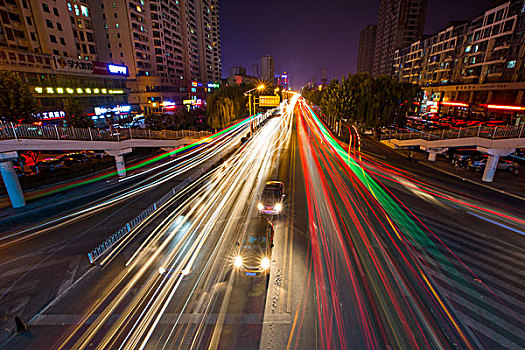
column 14, row 190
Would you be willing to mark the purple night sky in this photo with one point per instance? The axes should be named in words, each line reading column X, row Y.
column 306, row 35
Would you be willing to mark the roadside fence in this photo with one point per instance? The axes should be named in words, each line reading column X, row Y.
column 102, row 248
column 53, row 132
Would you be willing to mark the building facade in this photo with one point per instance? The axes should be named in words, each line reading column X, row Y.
column 146, row 51
column 474, row 67
column 365, row 55
column 283, row 81
column 168, row 45
column 399, row 23
column 51, row 46
column 267, row 68
column 255, row 72
column 238, row 71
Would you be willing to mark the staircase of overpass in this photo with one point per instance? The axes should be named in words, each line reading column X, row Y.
column 116, row 142
column 495, row 141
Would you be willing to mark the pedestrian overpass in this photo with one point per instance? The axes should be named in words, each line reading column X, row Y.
column 496, row 141
column 116, row 142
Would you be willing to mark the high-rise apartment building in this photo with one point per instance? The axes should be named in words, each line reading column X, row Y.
column 283, row 81
column 99, row 50
column 255, row 70
column 51, row 46
column 471, row 65
column 267, row 68
column 238, row 71
column 169, row 46
column 365, row 55
column 399, row 23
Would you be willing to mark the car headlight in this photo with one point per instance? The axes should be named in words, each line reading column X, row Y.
column 238, row 261
column 260, row 206
column 265, row 263
column 278, row 207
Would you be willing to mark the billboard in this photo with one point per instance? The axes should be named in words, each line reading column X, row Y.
column 269, row 101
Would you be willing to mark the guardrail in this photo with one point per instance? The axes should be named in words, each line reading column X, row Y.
column 494, row 133
column 102, row 248
column 30, row 131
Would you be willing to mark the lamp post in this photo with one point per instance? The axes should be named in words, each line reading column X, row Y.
column 249, row 93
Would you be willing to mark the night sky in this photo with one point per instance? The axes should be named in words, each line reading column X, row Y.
column 306, row 35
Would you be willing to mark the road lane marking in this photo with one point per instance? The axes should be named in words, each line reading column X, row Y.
column 168, row 319
column 71, row 271
column 497, row 223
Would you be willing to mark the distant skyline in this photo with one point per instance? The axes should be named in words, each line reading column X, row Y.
column 304, row 36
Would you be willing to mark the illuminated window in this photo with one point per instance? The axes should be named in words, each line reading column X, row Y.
column 85, row 11
column 139, row 9
column 69, row 6
column 116, row 25
column 511, row 64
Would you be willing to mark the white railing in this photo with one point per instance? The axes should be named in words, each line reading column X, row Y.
column 498, row 132
column 105, row 246
column 29, row 131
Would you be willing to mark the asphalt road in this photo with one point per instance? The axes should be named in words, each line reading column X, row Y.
column 44, row 252
column 370, row 252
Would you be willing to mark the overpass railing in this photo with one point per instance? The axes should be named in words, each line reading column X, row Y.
column 494, row 133
column 51, row 132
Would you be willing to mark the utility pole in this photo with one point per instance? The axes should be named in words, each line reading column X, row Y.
column 324, row 80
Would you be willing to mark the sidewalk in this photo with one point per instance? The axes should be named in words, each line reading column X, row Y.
column 504, row 182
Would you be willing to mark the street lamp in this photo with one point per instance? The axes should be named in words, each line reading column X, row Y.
column 249, row 93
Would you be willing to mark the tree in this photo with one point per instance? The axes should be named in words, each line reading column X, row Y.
column 362, row 99
column 313, row 95
column 75, row 115
column 16, row 102
column 222, row 113
column 225, row 105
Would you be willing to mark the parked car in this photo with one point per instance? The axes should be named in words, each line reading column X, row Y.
column 19, row 171
column 479, row 163
column 95, row 155
column 48, row 164
column 74, row 158
column 461, row 157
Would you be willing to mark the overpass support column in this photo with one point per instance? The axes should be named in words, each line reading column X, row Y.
column 492, row 162
column 14, row 190
column 119, row 159
column 433, row 152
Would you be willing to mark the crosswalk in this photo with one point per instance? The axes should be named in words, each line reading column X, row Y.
column 482, row 276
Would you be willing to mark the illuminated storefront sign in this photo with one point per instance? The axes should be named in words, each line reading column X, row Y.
column 116, row 110
column 116, row 69
column 80, row 91
column 213, row 85
column 197, row 102
column 50, row 115
column 168, row 105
